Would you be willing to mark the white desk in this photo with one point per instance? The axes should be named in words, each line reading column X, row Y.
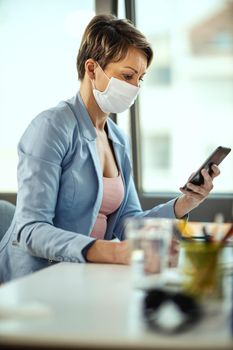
column 90, row 305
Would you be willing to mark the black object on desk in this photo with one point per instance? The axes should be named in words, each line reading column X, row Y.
column 190, row 311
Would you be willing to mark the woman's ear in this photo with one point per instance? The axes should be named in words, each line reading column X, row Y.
column 90, row 66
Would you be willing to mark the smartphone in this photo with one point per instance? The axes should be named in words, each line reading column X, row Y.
column 215, row 158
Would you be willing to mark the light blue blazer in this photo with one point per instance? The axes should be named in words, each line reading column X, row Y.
column 60, row 191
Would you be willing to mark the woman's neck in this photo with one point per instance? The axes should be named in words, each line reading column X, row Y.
column 97, row 116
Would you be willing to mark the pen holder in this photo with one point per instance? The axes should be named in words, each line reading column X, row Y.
column 200, row 269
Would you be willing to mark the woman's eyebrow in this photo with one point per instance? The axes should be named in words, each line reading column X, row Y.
column 134, row 70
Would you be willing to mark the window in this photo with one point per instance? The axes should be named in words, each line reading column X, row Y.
column 39, row 43
column 186, row 105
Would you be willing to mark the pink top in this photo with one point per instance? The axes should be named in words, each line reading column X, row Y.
column 113, row 194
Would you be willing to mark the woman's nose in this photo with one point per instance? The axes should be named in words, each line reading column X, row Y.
column 136, row 82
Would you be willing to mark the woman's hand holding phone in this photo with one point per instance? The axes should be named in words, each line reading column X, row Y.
column 193, row 195
column 200, row 192
column 200, row 183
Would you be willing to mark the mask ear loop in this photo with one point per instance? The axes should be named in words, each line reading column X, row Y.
column 92, row 81
column 103, row 71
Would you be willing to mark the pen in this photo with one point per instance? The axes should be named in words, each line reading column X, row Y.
column 228, row 234
column 206, row 235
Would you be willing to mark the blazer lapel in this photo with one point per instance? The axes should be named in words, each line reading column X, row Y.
column 125, row 169
column 96, row 163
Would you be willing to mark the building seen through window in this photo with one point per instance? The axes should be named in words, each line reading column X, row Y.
column 186, row 105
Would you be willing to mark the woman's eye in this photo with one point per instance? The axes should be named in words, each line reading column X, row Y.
column 127, row 76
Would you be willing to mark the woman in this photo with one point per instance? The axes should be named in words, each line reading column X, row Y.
column 75, row 185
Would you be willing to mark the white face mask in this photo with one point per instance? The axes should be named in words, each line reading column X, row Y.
column 117, row 97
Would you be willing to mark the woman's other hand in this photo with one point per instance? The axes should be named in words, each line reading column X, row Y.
column 109, row 252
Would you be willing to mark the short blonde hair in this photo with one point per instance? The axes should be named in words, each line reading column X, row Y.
column 107, row 39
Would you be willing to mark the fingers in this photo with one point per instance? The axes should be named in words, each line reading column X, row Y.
column 125, row 252
column 199, row 193
column 216, row 171
column 197, row 196
column 204, row 189
column 208, row 181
